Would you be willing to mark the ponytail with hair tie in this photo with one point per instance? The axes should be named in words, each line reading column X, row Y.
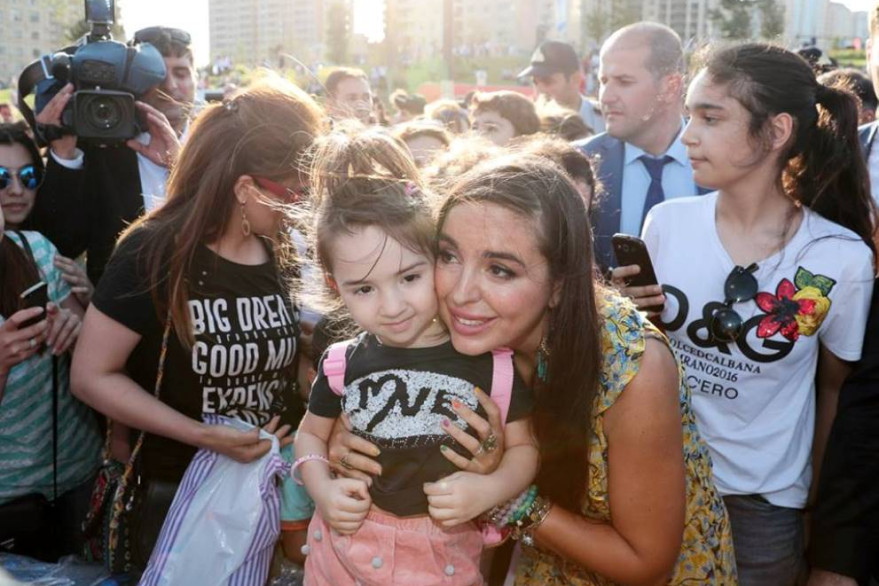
column 824, row 93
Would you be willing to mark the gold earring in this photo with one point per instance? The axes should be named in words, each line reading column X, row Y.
column 245, row 224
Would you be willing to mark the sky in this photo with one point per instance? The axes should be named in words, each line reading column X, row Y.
column 192, row 15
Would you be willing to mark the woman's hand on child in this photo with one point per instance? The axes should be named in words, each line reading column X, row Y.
column 350, row 455
column 64, row 327
column 344, row 504
column 649, row 296
column 484, row 461
column 457, row 498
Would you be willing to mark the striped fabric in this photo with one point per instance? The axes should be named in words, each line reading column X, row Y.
column 26, row 411
column 224, row 521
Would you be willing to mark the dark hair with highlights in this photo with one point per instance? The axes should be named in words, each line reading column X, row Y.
column 263, row 131
column 822, row 166
column 537, row 189
column 362, row 176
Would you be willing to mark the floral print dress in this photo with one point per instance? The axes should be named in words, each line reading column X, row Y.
column 707, row 549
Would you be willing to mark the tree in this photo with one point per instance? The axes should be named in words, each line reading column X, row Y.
column 771, row 19
column 622, row 13
column 733, row 18
column 596, row 23
column 337, row 32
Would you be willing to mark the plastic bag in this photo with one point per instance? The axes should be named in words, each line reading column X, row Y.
column 224, row 521
column 69, row 571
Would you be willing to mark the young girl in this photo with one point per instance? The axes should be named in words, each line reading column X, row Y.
column 774, row 287
column 403, row 382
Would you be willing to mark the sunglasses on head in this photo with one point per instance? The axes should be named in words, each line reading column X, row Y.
column 285, row 193
column 162, row 34
column 29, row 177
column 740, row 286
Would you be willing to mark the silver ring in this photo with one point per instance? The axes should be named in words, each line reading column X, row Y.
column 32, row 343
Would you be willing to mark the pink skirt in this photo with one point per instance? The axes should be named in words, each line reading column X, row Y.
column 389, row 551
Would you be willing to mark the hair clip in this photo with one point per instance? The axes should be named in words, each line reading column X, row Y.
column 230, row 105
column 410, row 189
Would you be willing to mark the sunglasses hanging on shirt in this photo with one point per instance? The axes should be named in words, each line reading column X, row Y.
column 740, row 286
column 28, row 176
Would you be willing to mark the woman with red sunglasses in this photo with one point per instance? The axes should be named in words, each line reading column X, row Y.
column 206, row 276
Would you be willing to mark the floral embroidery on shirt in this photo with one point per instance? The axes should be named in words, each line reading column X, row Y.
column 795, row 308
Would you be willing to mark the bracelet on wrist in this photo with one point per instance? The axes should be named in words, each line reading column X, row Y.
column 300, row 461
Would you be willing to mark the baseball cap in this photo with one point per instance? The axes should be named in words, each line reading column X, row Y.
column 552, row 57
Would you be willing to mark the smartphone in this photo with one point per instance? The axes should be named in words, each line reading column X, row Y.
column 631, row 250
column 35, row 296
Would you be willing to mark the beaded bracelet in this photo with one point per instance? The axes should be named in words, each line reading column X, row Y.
column 524, row 530
column 299, row 462
column 523, row 509
column 506, row 515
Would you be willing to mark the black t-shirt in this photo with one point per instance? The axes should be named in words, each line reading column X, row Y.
column 243, row 362
column 397, row 398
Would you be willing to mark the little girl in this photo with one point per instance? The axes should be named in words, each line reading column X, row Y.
column 373, row 236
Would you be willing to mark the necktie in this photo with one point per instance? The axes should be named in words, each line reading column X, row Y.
column 655, row 194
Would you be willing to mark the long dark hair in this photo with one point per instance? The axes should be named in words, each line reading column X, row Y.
column 262, row 131
column 537, row 189
column 17, row 272
column 823, row 167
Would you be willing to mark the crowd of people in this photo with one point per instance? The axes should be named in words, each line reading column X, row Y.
column 425, row 309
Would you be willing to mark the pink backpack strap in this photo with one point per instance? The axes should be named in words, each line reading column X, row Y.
column 502, row 381
column 334, row 366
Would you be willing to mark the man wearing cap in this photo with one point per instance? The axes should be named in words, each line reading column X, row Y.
column 555, row 70
column 91, row 194
column 640, row 160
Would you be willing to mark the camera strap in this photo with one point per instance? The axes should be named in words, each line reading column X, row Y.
column 30, row 254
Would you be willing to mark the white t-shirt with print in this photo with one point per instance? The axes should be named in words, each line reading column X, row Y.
column 755, row 398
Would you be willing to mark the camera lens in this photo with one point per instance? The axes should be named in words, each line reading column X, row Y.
column 104, row 113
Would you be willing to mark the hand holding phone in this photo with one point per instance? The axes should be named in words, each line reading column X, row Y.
column 35, row 296
column 631, row 250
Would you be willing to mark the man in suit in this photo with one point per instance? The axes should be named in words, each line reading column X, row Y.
column 640, row 159
column 91, row 193
column 844, row 547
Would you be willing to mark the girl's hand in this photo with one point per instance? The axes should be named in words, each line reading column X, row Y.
column 17, row 345
column 350, row 455
column 457, row 499
column 488, row 450
column 76, row 277
column 649, row 296
column 344, row 504
column 244, row 446
column 64, row 327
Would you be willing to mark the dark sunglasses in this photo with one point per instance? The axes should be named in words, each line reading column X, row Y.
column 285, row 193
column 162, row 34
column 740, row 286
column 29, row 177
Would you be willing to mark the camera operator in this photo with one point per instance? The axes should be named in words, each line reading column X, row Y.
column 92, row 193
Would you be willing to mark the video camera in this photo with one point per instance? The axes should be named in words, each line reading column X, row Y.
column 107, row 76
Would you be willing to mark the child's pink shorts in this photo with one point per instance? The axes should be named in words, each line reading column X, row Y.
column 389, row 551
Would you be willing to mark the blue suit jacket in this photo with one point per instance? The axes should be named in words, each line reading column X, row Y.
column 608, row 156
